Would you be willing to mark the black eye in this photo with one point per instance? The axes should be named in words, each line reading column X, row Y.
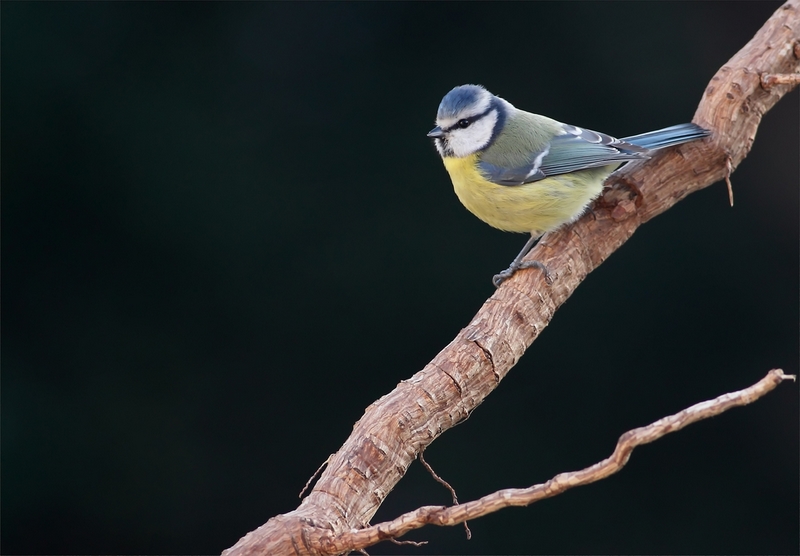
column 463, row 124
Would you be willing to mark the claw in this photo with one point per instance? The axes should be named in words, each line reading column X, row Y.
column 498, row 279
column 517, row 264
column 541, row 266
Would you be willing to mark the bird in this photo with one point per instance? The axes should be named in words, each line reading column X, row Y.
column 522, row 172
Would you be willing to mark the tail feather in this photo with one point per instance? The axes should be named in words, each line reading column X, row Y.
column 669, row 136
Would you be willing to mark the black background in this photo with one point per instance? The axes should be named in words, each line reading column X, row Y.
column 224, row 234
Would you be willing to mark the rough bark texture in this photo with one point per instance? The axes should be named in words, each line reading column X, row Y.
column 394, row 429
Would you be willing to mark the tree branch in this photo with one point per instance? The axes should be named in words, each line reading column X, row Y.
column 394, row 429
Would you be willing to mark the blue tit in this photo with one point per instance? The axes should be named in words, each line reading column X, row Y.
column 521, row 172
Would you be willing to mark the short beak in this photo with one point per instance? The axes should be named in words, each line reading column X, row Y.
column 436, row 132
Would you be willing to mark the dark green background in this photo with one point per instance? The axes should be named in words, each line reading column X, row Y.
column 224, row 234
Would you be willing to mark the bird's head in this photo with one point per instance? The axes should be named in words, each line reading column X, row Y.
column 468, row 121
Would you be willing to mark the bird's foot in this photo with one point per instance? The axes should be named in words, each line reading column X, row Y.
column 498, row 279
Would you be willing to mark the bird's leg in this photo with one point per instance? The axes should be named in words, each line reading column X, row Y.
column 518, row 264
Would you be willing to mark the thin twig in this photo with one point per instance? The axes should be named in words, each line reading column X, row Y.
column 446, row 484
column 314, row 476
column 412, row 543
column 437, row 477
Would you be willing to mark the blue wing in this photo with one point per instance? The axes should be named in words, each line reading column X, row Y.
column 578, row 149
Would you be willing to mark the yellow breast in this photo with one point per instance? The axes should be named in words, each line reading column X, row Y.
column 536, row 207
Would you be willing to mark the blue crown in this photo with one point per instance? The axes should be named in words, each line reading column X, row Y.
column 459, row 99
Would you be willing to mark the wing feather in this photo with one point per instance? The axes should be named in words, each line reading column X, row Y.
column 573, row 150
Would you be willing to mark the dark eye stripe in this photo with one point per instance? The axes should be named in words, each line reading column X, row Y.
column 470, row 120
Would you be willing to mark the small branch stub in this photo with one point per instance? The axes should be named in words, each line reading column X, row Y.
column 728, row 179
column 769, row 80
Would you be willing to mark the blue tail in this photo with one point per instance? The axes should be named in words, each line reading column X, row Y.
column 669, row 136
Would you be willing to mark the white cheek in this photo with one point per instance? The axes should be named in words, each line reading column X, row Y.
column 464, row 142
